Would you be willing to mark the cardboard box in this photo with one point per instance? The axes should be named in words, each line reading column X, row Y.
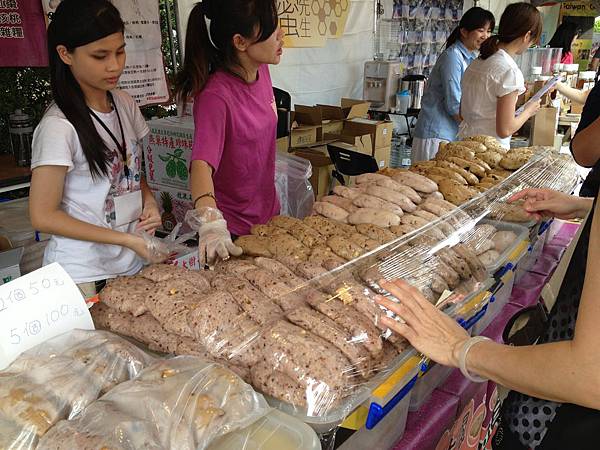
column 381, row 132
column 362, row 143
column 181, row 202
column 9, row 264
column 303, row 136
column 188, row 260
column 283, row 144
column 168, row 150
column 327, row 118
column 383, row 156
column 349, row 109
column 544, row 127
column 321, row 168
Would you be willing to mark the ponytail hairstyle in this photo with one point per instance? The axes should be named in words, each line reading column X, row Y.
column 564, row 35
column 517, row 20
column 210, row 47
column 74, row 24
column 471, row 20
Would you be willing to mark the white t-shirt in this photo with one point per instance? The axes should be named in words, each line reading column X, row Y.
column 484, row 81
column 55, row 143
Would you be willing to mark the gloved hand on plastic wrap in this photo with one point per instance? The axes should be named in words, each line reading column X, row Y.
column 159, row 250
column 214, row 239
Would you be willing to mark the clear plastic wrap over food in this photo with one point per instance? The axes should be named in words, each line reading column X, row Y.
column 182, row 403
column 292, row 175
column 57, row 379
column 297, row 317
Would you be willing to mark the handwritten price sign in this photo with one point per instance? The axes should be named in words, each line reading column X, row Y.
column 37, row 307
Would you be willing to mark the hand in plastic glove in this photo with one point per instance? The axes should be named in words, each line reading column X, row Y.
column 213, row 236
column 149, row 248
column 429, row 330
column 540, row 203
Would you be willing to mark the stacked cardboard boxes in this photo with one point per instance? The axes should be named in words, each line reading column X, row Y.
column 315, row 126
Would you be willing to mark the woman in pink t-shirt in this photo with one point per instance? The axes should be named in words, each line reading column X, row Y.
column 229, row 44
column 564, row 37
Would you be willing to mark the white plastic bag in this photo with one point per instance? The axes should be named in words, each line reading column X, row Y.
column 295, row 192
column 181, row 403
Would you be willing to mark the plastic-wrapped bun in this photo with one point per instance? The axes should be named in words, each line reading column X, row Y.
column 182, row 403
column 57, row 379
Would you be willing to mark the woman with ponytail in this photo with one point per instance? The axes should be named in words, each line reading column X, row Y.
column 440, row 115
column 86, row 185
column 229, row 45
column 493, row 82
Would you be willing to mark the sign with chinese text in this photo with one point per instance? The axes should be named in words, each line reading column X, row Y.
column 309, row 23
column 144, row 76
column 37, row 307
column 22, row 34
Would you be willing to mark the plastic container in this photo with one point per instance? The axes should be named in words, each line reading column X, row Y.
column 498, row 301
column 275, row 431
column 402, row 102
column 361, row 397
column 435, row 376
column 385, row 435
column 504, row 262
column 296, row 195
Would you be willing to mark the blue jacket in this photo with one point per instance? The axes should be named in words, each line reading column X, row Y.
column 442, row 95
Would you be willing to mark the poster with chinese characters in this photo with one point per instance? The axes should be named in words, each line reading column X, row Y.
column 144, row 76
column 309, row 23
column 22, row 34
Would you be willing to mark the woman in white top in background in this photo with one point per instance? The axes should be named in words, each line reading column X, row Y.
column 493, row 82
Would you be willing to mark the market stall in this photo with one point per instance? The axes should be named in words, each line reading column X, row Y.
column 283, row 347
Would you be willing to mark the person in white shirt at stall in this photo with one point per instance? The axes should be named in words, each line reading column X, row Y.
column 493, row 82
column 87, row 189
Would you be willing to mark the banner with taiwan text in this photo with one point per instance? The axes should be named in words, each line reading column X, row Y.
column 22, row 34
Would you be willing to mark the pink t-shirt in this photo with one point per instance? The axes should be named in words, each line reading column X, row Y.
column 567, row 58
column 235, row 132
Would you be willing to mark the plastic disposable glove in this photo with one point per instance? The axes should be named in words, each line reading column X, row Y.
column 214, row 239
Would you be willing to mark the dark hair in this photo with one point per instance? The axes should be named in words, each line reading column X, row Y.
column 471, row 20
column 205, row 51
column 74, row 24
column 564, row 35
column 517, row 20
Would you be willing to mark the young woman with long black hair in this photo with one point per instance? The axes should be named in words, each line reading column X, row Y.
column 229, row 45
column 86, row 186
column 493, row 82
column 440, row 113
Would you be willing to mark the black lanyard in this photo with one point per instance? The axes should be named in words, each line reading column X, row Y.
column 121, row 146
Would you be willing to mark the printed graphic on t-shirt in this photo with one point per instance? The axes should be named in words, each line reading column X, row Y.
column 120, row 183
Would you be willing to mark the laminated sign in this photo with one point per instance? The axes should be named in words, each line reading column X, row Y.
column 144, row 76
column 308, row 23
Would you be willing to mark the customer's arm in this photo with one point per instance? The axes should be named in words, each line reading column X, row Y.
column 567, row 371
column 506, row 122
column 575, row 95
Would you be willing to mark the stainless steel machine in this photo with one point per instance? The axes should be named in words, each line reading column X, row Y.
column 381, row 84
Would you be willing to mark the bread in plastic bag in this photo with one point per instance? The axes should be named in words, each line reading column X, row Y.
column 182, row 403
column 57, row 379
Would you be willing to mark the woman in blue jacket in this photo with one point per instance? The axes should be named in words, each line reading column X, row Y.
column 440, row 114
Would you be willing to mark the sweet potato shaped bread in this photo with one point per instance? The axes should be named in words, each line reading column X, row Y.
column 377, row 217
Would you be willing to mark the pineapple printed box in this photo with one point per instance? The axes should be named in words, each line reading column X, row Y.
column 173, row 204
column 167, row 151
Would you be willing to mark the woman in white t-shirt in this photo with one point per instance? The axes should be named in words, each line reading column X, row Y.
column 86, row 187
column 493, row 82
